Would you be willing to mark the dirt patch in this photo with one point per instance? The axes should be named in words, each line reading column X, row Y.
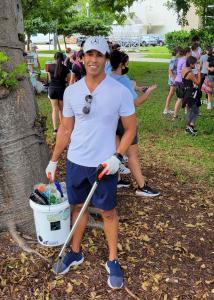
column 165, row 248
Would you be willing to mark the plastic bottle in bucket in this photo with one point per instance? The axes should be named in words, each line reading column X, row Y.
column 49, row 193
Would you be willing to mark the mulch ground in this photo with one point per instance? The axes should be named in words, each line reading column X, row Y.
column 165, row 249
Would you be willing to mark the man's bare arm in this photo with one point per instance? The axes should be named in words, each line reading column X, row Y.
column 130, row 127
column 63, row 137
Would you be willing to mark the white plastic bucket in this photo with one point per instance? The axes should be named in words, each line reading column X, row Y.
column 52, row 222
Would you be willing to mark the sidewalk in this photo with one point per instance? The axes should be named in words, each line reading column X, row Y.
column 132, row 57
column 139, row 57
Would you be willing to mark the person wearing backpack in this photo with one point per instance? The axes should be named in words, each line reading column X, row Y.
column 192, row 94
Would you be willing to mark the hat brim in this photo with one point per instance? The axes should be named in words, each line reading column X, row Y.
column 103, row 52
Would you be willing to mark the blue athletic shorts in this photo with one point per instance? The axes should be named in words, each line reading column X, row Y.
column 79, row 180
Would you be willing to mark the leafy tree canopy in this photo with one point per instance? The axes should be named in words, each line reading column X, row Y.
column 182, row 7
column 88, row 26
column 87, row 17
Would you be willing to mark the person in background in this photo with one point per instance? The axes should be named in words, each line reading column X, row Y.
column 59, row 76
column 196, row 52
column 119, row 62
column 196, row 40
column 178, row 79
column 36, row 63
column 110, row 44
column 108, row 68
column 192, row 94
column 116, row 47
column 68, row 62
column 82, row 45
column 208, row 85
column 171, row 81
column 203, row 64
column 78, row 69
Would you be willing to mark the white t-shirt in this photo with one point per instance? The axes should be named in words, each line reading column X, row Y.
column 203, row 61
column 35, row 59
column 94, row 134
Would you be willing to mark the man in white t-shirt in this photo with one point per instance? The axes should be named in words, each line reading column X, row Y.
column 34, row 54
column 92, row 107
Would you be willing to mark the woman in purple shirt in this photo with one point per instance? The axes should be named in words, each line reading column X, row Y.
column 178, row 79
column 171, row 81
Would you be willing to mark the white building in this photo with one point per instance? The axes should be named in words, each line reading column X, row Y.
column 151, row 16
column 40, row 38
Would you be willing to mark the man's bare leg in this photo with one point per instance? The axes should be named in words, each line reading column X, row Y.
column 78, row 234
column 110, row 226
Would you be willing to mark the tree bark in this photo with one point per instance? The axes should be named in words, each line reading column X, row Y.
column 28, row 42
column 64, row 41
column 23, row 150
column 59, row 47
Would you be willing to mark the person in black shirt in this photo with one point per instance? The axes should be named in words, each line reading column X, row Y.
column 59, row 75
column 68, row 62
column 192, row 94
column 78, row 68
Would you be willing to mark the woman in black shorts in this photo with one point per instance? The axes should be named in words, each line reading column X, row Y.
column 59, row 75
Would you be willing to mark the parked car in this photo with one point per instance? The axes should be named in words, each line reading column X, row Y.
column 148, row 40
column 160, row 39
column 50, row 42
column 80, row 39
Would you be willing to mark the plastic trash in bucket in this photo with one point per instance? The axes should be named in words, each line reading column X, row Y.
column 52, row 222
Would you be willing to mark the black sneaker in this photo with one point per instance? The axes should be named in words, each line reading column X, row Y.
column 55, row 131
column 146, row 191
column 123, row 183
column 191, row 130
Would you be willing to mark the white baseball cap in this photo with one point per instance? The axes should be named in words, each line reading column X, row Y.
column 33, row 46
column 97, row 43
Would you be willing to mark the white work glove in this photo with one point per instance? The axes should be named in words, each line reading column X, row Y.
column 112, row 165
column 51, row 170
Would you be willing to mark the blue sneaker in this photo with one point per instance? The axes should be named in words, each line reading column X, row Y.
column 115, row 278
column 70, row 259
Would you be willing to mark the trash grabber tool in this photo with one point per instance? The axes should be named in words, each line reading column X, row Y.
column 100, row 174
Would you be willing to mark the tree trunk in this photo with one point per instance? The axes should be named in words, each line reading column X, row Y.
column 55, row 39
column 64, row 41
column 28, row 42
column 23, row 151
column 59, row 47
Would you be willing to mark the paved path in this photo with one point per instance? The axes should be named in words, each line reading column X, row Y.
column 139, row 57
column 132, row 57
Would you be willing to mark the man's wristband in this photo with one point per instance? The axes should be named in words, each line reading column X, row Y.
column 119, row 156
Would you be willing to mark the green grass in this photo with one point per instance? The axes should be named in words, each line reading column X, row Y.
column 45, row 110
column 42, row 61
column 161, row 139
column 166, row 139
column 157, row 49
column 156, row 52
column 47, row 51
column 157, row 55
column 149, row 52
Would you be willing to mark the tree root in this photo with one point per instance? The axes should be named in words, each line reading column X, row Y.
column 21, row 242
column 131, row 294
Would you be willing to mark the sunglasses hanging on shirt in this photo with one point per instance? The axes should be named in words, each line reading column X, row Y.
column 86, row 109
